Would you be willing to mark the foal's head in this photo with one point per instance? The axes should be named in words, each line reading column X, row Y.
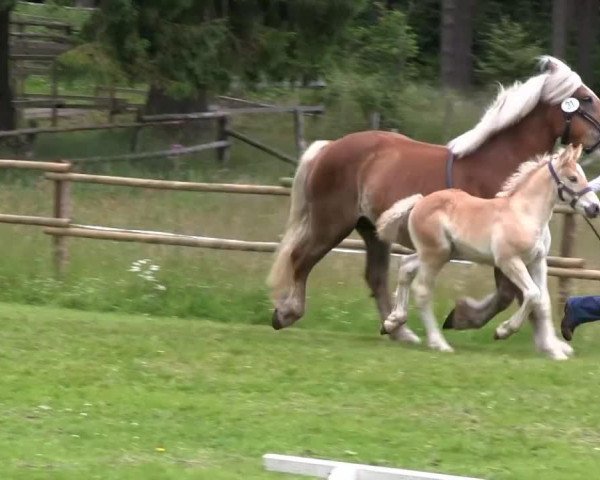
column 572, row 183
column 576, row 114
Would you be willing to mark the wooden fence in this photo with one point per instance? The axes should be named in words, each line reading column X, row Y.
column 60, row 226
column 221, row 144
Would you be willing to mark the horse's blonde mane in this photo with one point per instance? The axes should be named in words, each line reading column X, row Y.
column 525, row 170
column 556, row 83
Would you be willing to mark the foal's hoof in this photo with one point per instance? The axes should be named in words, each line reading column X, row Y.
column 275, row 322
column 449, row 322
column 501, row 335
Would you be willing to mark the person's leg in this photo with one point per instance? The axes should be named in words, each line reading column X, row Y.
column 579, row 310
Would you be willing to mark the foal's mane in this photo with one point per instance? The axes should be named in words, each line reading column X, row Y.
column 556, row 82
column 525, row 170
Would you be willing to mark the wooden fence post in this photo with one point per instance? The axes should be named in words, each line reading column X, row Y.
column 54, row 94
column 375, row 121
column 566, row 250
column 224, row 152
column 112, row 106
column 135, row 139
column 62, row 209
column 299, row 131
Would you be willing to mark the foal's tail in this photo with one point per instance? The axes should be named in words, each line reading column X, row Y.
column 281, row 277
column 389, row 221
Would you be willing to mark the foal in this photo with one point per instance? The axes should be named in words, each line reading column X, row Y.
column 510, row 231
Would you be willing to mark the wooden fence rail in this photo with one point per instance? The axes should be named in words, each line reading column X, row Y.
column 235, row 111
column 155, row 154
column 81, row 128
column 261, row 146
column 33, row 165
column 169, row 184
column 60, row 226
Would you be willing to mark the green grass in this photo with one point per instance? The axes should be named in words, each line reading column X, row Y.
column 89, row 395
column 74, row 16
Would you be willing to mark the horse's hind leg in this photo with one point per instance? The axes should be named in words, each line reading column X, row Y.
column 471, row 313
column 376, row 275
column 304, row 256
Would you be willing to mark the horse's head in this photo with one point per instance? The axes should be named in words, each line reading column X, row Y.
column 572, row 183
column 576, row 116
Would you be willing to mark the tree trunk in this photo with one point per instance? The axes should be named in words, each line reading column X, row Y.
column 560, row 19
column 587, row 24
column 456, row 43
column 159, row 101
column 7, row 110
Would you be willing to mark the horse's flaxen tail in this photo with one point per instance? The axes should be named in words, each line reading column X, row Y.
column 281, row 277
column 388, row 223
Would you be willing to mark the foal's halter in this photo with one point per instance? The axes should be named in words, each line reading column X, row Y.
column 570, row 107
column 562, row 188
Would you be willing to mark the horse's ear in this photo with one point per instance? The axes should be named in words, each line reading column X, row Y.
column 566, row 155
column 577, row 152
column 547, row 65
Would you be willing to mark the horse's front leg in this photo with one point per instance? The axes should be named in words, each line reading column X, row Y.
column 471, row 313
column 545, row 337
column 517, row 272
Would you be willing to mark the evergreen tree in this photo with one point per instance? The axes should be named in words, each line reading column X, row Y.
column 7, row 110
column 188, row 48
column 508, row 53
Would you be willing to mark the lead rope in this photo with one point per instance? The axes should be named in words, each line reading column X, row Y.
column 592, row 227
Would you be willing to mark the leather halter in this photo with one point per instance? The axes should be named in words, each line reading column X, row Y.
column 564, row 139
column 449, row 168
column 562, row 188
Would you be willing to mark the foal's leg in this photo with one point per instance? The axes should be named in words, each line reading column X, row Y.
column 546, row 339
column 406, row 274
column 376, row 275
column 517, row 272
column 423, row 292
column 472, row 313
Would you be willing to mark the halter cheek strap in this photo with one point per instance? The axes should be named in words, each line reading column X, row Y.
column 562, row 188
column 571, row 107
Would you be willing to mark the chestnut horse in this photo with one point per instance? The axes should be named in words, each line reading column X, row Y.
column 348, row 183
column 510, row 231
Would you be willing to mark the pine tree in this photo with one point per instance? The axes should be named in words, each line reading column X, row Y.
column 190, row 48
column 7, row 110
column 508, row 52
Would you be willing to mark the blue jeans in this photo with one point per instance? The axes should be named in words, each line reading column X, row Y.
column 584, row 309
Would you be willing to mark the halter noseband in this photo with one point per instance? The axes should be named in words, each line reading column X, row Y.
column 571, row 107
column 562, row 188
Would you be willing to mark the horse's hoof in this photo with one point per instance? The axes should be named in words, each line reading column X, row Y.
column 383, row 331
column 275, row 320
column 449, row 322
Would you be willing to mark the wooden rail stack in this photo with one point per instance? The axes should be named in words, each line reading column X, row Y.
column 60, row 226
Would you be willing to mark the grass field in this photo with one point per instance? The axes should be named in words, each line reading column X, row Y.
column 90, row 395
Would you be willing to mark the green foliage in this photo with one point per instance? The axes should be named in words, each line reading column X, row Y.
column 7, row 4
column 187, row 46
column 89, row 62
column 379, row 53
column 385, row 47
column 509, row 52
